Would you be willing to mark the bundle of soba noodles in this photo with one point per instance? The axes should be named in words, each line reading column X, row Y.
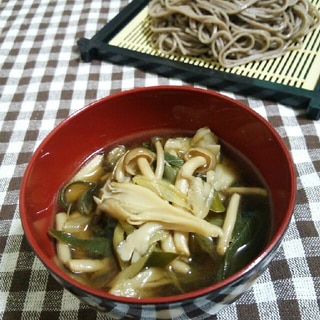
column 231, row 32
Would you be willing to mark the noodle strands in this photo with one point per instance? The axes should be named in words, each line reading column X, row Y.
column 233, row 32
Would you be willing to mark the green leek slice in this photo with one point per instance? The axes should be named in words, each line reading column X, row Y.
column 97, row 247
column 160, row 259
column 173, row 160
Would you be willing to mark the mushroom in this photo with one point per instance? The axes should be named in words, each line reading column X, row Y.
column 181, row 242
column 160, row 157
column 200, row 196
column 229, row 223
column 119, row 173
column 197, row 159
column 114, row 155
column 138, row 160
column 91, row 265
column 63, row 250
column 167, row 243
column 137, row 205
column 200, row 193
column 201, row 165
column 138, row 242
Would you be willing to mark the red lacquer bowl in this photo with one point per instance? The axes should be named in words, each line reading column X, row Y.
column 146, row 111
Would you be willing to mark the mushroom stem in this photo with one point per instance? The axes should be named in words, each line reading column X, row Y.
column 247, row 191
column 139, row 160
column 119, row 173
column 229, row 223
column 63, row 250
column 181, row 242
column 145, row 168
column 186, row 172
column 139, row 241
column 160, row 159
column 181, row 239
column 167, row 243
column 89, row 265
column 191, row 166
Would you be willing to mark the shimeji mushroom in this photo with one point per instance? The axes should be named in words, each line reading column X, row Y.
column 63, row 250
column 113, row 156
column 160, row 157
column 169, row 244
column 199, row 192
column 118, row 173
column 78, row 265
column 76, row 222
column 90, row 265
column 207, row 163
column 198, row 160
column 134, row 161
column 138, row 160
column 247, row 191
column 138, row 242
column 229, row 223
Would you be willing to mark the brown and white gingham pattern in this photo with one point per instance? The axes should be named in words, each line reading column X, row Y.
column 42, row 81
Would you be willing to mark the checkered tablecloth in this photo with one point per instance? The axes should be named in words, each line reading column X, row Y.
column 42, row 81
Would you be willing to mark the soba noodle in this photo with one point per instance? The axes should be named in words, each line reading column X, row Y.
column 231, row 32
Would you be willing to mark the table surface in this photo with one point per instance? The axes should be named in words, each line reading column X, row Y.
column 42, row 81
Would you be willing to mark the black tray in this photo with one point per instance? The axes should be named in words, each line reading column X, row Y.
column 265, row 84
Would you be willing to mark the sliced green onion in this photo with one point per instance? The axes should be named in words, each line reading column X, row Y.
column 170, row 173
column 160, row 259
column 98, row 246
column 173, row 160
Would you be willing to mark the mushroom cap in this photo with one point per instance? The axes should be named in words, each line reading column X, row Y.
column 156, row 138
column 211, row 160
column 131, row 159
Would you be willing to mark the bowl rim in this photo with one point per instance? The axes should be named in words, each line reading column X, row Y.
column 272, row 245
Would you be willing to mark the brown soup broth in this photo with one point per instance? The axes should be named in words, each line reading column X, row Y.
column 207, row 269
